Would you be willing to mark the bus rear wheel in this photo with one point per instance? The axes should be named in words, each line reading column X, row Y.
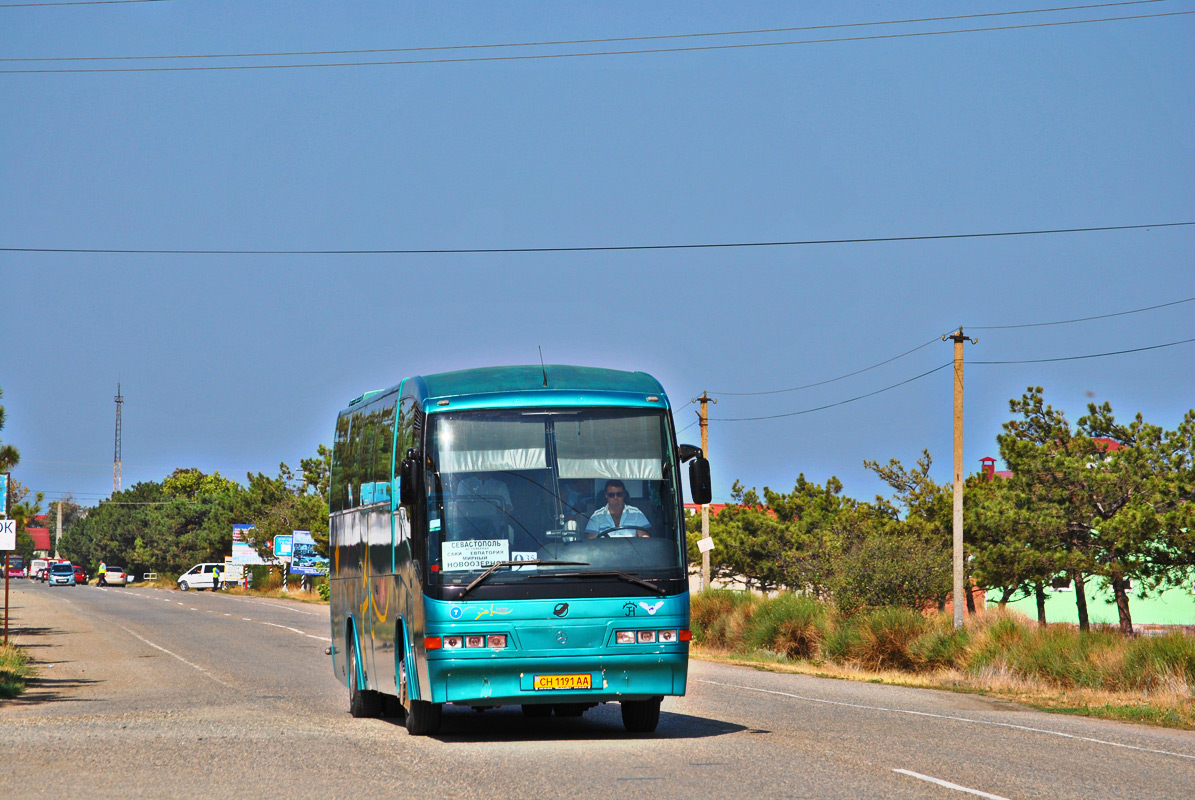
column 641, row 716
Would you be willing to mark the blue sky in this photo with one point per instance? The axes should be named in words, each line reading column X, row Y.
column 236, row 362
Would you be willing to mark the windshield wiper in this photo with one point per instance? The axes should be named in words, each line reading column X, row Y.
column 483, row 577
column 612, row 574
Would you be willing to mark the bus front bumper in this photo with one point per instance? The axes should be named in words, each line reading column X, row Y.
column 511, row 681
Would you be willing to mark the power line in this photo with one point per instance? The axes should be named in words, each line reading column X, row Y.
column 944, row 366
column 540, row 56
column 1080, row 319
column 586, row 249
column 77, row 3
column 1092, row 355
column 830, row 380
column 560, row 42
column 839, row 403
column 936, row 339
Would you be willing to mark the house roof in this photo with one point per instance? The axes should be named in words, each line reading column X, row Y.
column 40, row 537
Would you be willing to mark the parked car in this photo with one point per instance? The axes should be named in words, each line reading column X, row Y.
column 201, row 576
column 80, row 575
column 113, row 576
column 61, row 574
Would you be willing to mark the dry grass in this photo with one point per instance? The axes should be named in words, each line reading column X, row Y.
column 1172, row 707
column 1101, row 673
column 15, row 670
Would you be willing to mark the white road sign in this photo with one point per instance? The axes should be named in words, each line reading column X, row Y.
column 8, row 534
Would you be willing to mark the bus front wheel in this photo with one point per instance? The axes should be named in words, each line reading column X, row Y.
column 641, row 716
column 423, row 718
column 362, row 702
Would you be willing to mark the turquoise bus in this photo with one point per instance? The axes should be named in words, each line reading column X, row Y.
column 511, row 536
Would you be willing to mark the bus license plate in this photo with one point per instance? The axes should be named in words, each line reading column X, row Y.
column 562, row 682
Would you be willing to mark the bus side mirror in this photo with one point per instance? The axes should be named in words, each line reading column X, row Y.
column 699, row 480
column 407, row 474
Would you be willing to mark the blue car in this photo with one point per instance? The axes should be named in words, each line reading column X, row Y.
column 62, row 573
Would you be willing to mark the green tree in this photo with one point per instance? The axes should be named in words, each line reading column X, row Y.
column 24, row 506
column 1117, row 497
column 1013, row 551
column 9, row 455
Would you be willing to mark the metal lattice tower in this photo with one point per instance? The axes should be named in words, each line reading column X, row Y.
column 116, row 460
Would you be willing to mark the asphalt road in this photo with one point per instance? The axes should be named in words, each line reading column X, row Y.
column 154, row 693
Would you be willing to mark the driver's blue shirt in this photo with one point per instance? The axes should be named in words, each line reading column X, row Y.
column 631, row 516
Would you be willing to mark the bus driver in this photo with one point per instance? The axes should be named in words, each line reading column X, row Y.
column 617, row 517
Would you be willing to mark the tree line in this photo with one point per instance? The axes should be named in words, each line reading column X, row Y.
column 170, row 525
column 1099, row 503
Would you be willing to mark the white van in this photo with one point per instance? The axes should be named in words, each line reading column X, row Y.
column 201, row 576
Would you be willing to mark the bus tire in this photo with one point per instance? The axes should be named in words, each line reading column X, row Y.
column 423, row 718
column 362, row 702
column 641, row 716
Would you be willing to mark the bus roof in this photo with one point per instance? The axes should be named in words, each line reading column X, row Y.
column 515, row 386
column 534, row 378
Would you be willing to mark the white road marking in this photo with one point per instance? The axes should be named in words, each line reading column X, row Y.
column 949, row 717
column 296, row 630
column 175, row 655
column 248, row 619
column 949, row 785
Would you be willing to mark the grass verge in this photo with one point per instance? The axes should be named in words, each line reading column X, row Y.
column 1001, row 655
column 15, row 670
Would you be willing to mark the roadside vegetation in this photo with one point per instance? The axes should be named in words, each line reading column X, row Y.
column 1098, row 673
column 15, row 670
column 1102, row 504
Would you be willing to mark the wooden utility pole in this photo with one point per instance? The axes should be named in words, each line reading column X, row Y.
column 959, row 594
column 703, row 416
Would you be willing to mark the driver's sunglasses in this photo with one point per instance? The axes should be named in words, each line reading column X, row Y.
column 616, row 494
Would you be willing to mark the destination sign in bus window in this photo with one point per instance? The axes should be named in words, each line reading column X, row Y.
column 474, row 553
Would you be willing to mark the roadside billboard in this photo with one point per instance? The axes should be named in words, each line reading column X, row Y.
column 242, row 551
column 304, row 560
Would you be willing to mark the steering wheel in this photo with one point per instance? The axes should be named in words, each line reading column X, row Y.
column 640, row 531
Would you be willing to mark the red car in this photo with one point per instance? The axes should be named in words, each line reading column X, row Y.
column 80, row 575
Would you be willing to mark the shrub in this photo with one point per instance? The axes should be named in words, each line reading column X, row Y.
column 1153, row 662
column 14, row 670
column 940, row 647
column 791, row 625
column 885, row 638
column 719, row 617
column 886, row 569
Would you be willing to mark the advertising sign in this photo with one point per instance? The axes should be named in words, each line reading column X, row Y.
column 304, row 560
column 3, row 494
column 282, row 545
column 8, row 534
column 243, row 552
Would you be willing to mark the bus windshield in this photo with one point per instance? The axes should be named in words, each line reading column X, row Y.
column 594, row 491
